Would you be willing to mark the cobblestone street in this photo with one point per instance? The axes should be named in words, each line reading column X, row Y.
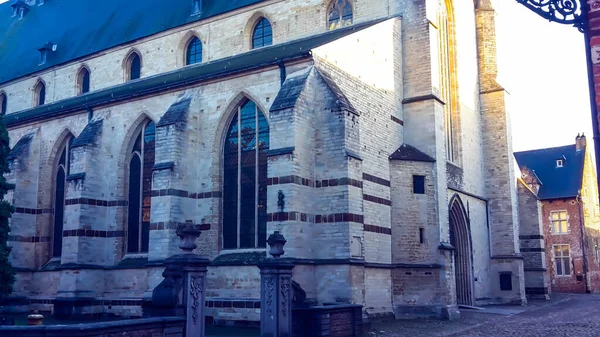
column 564, row 315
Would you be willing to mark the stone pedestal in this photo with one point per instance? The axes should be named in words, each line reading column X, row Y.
column 194, row 270
column 276, row 298
column 184, row 283
column 276, row 293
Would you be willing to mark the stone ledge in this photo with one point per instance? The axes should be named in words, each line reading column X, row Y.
column 163, row 166
column 76, row 176
column 99, row 328
column 281, row 152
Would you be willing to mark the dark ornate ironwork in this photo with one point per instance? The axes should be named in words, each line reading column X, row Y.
column 569, row 12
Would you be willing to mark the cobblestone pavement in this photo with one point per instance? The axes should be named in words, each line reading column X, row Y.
column 565, row 315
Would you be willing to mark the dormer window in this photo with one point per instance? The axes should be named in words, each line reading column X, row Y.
column 45, row 50
column 559, row 163
column 20, row 8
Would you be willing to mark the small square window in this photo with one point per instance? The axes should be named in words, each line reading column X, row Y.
column 506, row 281
column 419, row 184
column 559, row 163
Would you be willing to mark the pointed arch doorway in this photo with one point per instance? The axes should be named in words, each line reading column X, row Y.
column 460, row 238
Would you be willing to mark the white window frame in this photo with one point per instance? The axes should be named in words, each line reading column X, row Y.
column 562, row 261
column 566, row 219
column 559, row 163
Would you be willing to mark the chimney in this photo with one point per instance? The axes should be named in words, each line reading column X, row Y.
column 580, row 142
column 531, row 179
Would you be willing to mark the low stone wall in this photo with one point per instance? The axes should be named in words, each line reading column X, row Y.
column 155, row 327
column 328, row 320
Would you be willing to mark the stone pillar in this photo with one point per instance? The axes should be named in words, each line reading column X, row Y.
column 276, row 291
column 173, row 200
column 507, row 275
column 24, row 161
column 193, row 268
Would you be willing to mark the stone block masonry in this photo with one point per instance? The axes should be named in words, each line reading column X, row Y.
column 357, row 229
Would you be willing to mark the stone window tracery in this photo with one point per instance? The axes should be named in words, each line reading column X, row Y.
column 141, row 161
column 262, row 35
column 340, row 14
column 62, row 171
column 134, row 66
column 40, row 94
column 83, row 81
column 194, row 51
column 245, row 179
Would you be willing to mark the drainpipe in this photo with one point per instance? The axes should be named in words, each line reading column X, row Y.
column 282, row 71
column 582, row 230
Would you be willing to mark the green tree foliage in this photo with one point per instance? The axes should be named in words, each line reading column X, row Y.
column 7, row 274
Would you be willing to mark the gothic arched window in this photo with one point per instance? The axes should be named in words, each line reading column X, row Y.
column 40, row 94
column 245, row 179
column 83, row 81
column 62, row 171
column 340, row 14
column 262, row 34
column 3, row 103
column 141, row 161
column 447, row 87
column 133, row 66
column 194, row 51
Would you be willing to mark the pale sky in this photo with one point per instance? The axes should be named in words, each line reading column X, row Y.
column 542, row 65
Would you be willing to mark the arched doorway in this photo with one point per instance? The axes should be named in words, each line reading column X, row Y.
column 460, row 238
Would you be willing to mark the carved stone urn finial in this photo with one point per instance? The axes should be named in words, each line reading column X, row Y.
column 276, row 242
column 188, row 233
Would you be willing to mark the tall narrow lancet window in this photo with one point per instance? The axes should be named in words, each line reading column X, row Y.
column 339, row 14
column 194, row 51
column 133, row 67
column 3, row 103
column 141, row 161
column 83, row 81
column 60, row 182
column 245, row 179
column 40, row 94
column 447, row 69
column 262, row 35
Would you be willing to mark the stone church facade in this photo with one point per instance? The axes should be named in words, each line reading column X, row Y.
column 372, row 134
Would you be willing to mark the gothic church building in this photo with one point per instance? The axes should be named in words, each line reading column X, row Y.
column 371, row 133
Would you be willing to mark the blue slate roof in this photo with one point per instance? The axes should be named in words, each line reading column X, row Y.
column 82, row 27
column 557, row 182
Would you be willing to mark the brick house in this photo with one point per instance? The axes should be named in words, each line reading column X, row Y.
column 564, row 180
column 351, row 126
